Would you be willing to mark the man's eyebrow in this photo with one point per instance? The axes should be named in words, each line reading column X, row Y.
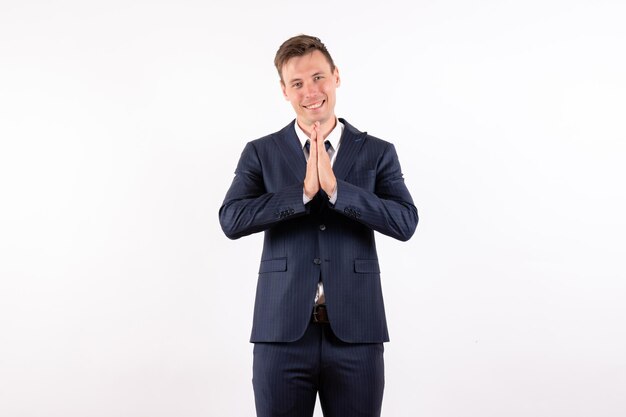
column 293, row 80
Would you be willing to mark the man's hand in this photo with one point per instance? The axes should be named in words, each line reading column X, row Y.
column 327, row 180
column 311, row 180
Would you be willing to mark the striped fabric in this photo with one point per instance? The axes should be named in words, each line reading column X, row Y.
column 348, row 376
column 305, row 242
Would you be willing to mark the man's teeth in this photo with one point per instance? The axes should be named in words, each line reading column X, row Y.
column 315, row 106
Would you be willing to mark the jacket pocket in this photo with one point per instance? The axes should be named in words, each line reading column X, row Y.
column 273, row 265
column 366, row 266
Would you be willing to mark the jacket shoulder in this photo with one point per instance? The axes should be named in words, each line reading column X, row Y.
column 374, row 141
column 370, row 140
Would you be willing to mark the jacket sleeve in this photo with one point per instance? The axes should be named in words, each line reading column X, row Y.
column 248, row 207
column 389, row 209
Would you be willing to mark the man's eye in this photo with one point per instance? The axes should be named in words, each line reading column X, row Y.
column 296, row 85
column 319, row 77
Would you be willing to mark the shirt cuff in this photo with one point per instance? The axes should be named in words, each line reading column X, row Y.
column 333, row 198
column 305, row 199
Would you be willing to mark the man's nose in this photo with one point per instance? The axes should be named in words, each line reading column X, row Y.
column 311, row 89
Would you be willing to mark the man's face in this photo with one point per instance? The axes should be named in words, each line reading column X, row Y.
column 309, row 84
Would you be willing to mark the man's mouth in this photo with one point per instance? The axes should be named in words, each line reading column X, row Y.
column 314, row 106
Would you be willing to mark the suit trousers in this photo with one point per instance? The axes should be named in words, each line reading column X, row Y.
column 348, row 376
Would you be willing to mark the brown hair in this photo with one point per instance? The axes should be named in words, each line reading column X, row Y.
column 299, row 46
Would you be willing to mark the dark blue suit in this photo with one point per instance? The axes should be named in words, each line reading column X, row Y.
column 306, row 243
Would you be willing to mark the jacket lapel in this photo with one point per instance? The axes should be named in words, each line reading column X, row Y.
column 288, row 145
column 351, row 142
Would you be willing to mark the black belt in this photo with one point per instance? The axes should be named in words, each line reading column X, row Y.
column 319, row 314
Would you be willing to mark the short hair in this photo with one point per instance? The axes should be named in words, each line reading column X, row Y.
column 299, row 46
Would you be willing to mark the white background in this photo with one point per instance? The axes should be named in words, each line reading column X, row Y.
column 121, row 123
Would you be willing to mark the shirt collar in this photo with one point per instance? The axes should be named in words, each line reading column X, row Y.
column 333, row 137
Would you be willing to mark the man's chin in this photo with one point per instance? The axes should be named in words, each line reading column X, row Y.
column 318, row 118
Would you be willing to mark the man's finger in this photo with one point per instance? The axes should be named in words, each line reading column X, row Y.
column 314, row 132
column 319, row 139
column 313, row 150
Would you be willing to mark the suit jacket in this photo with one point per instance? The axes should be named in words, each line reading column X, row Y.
column 304, row 243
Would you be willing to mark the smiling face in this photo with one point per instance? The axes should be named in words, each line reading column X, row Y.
column 309, row 85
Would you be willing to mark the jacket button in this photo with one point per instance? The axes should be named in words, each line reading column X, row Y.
column 322, row 227
column 317, row 261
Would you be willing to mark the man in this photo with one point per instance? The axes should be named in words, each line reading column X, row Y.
column 319, row 320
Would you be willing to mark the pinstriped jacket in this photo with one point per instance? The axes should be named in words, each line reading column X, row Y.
column 306, row 243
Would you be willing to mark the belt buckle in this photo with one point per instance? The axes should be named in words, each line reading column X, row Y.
column 316, row 310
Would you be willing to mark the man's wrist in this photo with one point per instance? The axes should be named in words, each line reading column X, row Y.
column 332, row 197
column 305, row 198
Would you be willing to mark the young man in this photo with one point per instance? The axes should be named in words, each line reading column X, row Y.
column 318, row 189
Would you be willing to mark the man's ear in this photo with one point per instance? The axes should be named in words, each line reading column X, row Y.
column 337, row 77
column 284, row 90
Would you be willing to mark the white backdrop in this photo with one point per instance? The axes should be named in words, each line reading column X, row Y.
column 121, row 123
